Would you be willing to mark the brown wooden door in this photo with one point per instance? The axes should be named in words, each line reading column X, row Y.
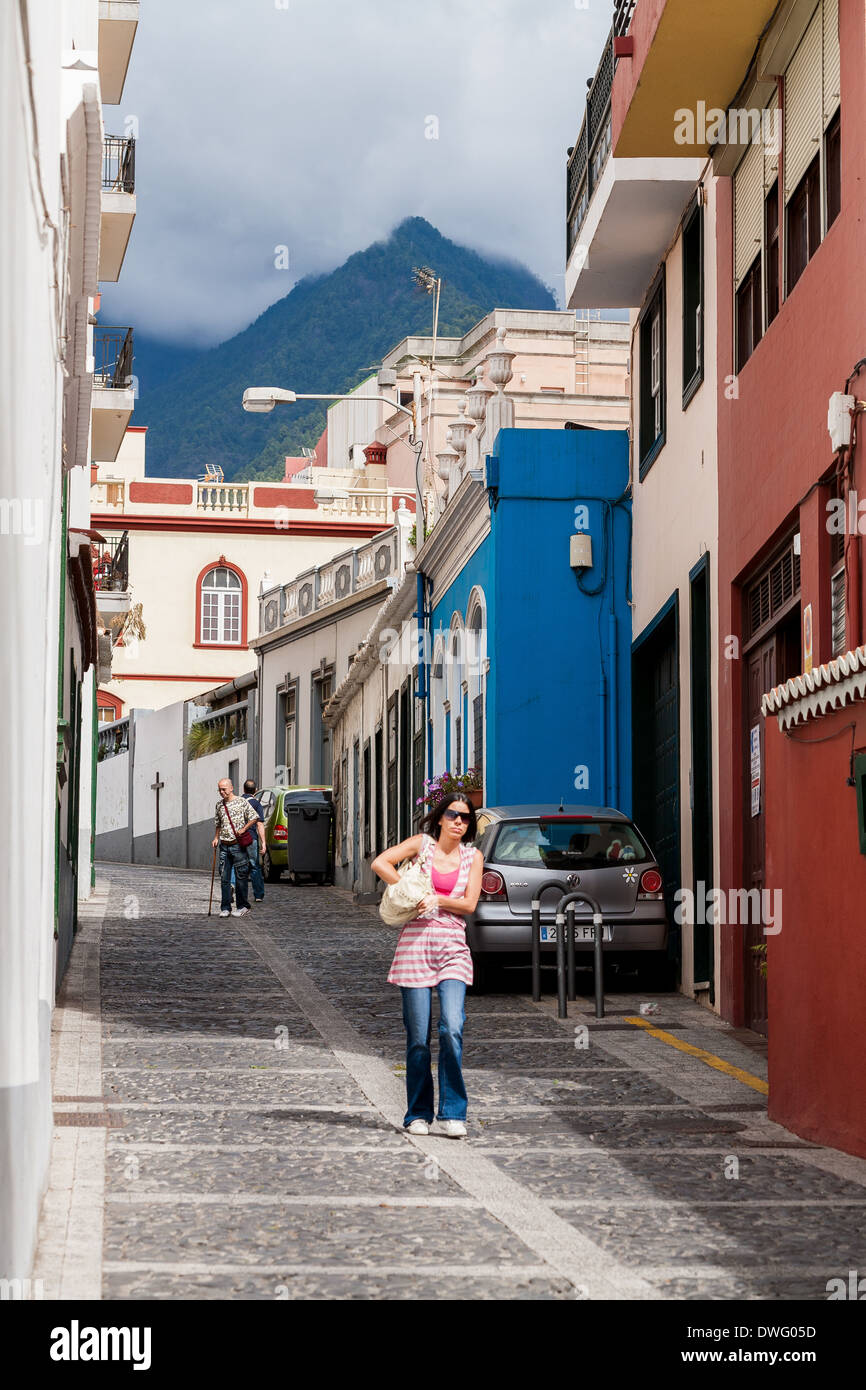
column 760, row 677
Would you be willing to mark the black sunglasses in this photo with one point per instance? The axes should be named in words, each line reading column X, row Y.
column 456, row 815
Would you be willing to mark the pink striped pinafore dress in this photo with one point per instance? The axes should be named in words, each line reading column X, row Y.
column 431, row 949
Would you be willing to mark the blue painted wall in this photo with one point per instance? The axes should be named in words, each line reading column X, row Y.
column 559, row 686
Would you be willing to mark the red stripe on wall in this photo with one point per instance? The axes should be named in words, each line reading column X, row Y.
column 284, row 497
column 359, row 530
column 159, row 676
column 170, row 494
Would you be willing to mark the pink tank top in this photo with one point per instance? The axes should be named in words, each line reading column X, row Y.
column 443, row 883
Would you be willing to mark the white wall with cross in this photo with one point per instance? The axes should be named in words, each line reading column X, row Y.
column 158, row 758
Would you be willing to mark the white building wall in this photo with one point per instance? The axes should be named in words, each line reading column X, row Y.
column 30, row 452
column 112, row 802
column 301, row 657
column 204, row 776
column 158, row 748
column 675, row 513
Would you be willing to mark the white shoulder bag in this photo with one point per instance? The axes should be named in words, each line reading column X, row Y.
column 401, row 901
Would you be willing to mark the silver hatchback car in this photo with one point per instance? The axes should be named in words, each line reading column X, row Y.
column 593, row 848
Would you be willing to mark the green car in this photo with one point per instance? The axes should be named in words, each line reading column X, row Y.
column 275, row 801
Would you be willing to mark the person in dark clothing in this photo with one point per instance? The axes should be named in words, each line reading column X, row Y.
column 256, row 851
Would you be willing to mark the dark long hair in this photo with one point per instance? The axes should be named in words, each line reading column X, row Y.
column 431, row 822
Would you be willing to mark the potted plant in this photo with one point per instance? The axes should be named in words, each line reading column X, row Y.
column 468, row 784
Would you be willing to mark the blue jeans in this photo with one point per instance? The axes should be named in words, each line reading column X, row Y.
column 418, row 1018
column 258, row 882
column 233, row 857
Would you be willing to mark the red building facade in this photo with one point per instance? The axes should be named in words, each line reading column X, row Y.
column 791, row 331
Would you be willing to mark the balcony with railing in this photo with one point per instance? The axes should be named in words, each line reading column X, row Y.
column 362, row 503
column 587, row 158
column 223, row 498
column 118, row 20
column 223, row 729
column 382, row 559
column 621, row 213
column 111, row 574
column 108, row 495
column 113, row 390
column 118, row 203
column 112, row 358
column 112, row 739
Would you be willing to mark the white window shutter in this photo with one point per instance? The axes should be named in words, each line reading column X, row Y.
column 832, row 86
column 803, row 103
column 748, row 210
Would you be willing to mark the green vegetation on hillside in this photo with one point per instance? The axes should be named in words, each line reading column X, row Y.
column 327, row 335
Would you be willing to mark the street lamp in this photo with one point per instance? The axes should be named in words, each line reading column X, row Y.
column 261, row 399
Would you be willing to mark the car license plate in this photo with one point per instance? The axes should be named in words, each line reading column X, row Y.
column 583, row 931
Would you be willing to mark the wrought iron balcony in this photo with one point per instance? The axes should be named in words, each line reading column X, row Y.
column 588, row 157
column 622, row 13
column 111, row 564
column 118, row 164
column 112, row 358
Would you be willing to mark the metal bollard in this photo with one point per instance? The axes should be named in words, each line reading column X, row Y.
column 598, row 972
column 569, row 948
column 536, row 950
column 561, row 1004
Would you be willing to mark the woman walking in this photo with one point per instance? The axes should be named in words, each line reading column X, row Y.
column 432, row 951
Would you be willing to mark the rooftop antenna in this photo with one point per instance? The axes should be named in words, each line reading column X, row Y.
column 562, row 803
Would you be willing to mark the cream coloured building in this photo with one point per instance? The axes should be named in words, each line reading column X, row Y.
column 198, row 555
column 641, row 235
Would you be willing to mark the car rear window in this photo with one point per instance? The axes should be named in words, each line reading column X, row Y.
column 568, row 843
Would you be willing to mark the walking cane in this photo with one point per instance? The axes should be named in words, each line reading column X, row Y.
column 212, row 872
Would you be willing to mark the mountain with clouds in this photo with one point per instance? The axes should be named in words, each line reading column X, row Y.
column 326, row 335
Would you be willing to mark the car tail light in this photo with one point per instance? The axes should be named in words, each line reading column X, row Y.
column 280, row 832
column 492, row 885
column 650, row 884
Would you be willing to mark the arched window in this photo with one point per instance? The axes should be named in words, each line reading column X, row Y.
column 437, row 702
column 108, row 707
column 222, row 606
column 476, row 663
column 455, row 692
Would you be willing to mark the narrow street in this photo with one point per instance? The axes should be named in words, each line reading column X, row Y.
column 228, row 1100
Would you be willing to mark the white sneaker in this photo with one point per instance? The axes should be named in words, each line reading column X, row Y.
column 453, row 1129
column 418, row 1127
column 240, row 912
column 225, row 912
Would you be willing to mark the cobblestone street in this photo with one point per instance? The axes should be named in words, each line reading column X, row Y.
column 229, row 1096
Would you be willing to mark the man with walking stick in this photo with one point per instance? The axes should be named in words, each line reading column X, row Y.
column 233, row 817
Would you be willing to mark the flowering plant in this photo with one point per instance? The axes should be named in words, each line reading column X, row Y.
column 435, row 788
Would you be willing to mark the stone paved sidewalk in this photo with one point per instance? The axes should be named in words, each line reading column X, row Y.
column 229, row 1096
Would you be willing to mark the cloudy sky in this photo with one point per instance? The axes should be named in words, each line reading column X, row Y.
column 306, row 124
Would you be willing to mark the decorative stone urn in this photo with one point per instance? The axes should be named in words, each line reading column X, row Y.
column 446, row 462
column 499, row 362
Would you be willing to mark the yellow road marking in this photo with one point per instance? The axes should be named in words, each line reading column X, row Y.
column 709, row 1057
